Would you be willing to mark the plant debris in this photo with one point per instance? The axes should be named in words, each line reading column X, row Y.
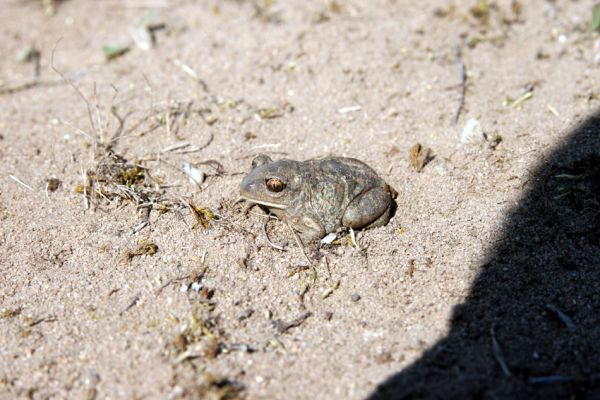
column 463, row 85
column 115, row 178
column 200, row 337
column 249, row 136
column 508, row 102
column 349, row 109
column 28, row 54
column 419, row 157
column 329, row 291
column 410, row 270
column 196, row 175
column 573, row 192
column 216, row 388
column 268, row 113
column 282, row 326
column 113, row 51
column 144, row 247
column 392, row 151
column 481, row 11
column 141, row 34
column 52, row 184
column 552, row 379
column 595, row 25
column 203, row 216
column 264, row 10
column 562, row 316
column 11, row 313
column 20, row 182
column 497, row 351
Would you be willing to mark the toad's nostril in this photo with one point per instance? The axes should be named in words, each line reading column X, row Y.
column 247, row 185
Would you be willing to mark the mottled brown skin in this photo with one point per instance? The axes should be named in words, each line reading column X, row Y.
column 317, row 197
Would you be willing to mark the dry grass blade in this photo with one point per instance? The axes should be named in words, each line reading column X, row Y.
column 282, row 326
column 144, row 247
column 273, row 245
column 203, row 216
column 353, row 240
column 497, row 351
column 20, row 182
column 131, row 304
column 28, row 84
column 463, row 85
column 562, row 316
column 419, row 157
column 300, row 245
column 552, row 379
column 67, row 80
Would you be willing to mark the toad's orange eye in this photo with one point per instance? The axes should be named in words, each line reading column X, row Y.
column 275, row 185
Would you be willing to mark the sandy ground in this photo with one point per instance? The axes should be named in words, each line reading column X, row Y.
column 455, row 298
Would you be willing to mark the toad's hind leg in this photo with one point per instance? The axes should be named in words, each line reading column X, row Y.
column 370, row 209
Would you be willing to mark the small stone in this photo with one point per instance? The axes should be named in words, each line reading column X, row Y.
column 472, row 132
column 329, row 238
column 180, row 342
column 355, row 297
column 52, row 184
column 245, row 314
column 383, row 357
column 196, row 287
column 196, row 175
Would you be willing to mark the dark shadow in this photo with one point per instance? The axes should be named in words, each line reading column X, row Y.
column 538, row 291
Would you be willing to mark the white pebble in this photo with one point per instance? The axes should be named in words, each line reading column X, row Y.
column 472, row 132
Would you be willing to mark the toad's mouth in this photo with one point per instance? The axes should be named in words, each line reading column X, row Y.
column 265, row 203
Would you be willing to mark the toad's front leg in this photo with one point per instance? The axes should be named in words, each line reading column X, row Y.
column 309, row 228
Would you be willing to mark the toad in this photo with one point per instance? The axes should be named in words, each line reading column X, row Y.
column 317, row 197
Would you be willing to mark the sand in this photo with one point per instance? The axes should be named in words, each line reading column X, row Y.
column 483, row 285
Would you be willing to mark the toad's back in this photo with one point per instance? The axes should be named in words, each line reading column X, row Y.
column 332, row 183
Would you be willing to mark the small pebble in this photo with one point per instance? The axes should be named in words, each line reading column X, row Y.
column 184, row 288
column 245, row 314
column 52, row 184
column 196, row 175
column 329, row 238
column 196, row 287
column 472, row 132
column 355, row 297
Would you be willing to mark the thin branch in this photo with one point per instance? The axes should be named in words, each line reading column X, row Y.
column 28, row 84
column 463, row 82
column 14, row 178
column 275, row 246
column 299, row 243
column 67, row 80
column 498, row 353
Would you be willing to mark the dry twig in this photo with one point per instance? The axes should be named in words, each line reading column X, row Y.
column 463, row 82
column 275, row 246
column 300, row 245
column 20, row 182
column 498, row 353
column 67, row 80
